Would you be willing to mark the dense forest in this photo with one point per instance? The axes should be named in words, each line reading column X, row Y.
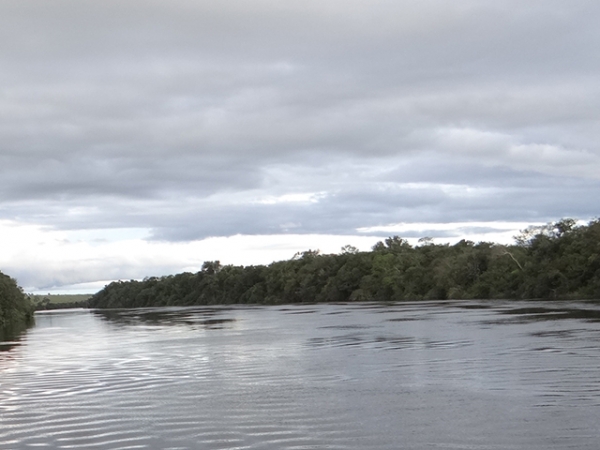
column 558, row 260
column 16, row 311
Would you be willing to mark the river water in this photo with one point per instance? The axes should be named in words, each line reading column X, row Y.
column 426, row 375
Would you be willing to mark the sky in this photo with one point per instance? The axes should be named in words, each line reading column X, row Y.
column 142, row 138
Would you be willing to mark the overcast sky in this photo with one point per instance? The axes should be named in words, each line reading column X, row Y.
column 143, row 137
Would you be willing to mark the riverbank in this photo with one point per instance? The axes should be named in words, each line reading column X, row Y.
column 557, row 261
column 16, row 311
column 59, row 301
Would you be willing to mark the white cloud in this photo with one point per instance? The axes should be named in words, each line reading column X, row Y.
column 497, row 232
column 308, row 197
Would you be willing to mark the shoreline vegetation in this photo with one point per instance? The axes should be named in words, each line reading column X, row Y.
column 59, row 301
column 16, row 310
column 560, row 260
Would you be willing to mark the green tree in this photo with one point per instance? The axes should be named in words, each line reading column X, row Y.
column 16, row 310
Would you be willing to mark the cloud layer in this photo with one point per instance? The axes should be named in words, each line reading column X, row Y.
column 204, row 119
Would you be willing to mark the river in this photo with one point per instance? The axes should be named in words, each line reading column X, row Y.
column 415, row 375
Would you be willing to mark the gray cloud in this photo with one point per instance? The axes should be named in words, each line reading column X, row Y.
column 196, row 119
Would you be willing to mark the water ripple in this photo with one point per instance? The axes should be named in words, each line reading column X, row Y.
column 343, row 377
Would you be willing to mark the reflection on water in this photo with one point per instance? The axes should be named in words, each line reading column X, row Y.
column 201, row 317
column 10, row 337
column 461, row 375
column 8, row 342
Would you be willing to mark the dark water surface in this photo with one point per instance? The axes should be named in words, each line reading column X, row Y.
column 427, row 375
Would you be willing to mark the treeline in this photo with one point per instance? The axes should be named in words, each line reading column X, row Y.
column 559, row 260
column 58, row 301
column 16, row 311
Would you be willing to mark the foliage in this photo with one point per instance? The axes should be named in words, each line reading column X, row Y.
column 59, row 301
column 15, row 309
column 558, row 260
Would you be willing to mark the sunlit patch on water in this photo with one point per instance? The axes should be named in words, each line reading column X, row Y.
column 417, row 375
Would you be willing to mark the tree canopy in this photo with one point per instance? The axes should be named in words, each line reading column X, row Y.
column 559, row 260
column 15, row 308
